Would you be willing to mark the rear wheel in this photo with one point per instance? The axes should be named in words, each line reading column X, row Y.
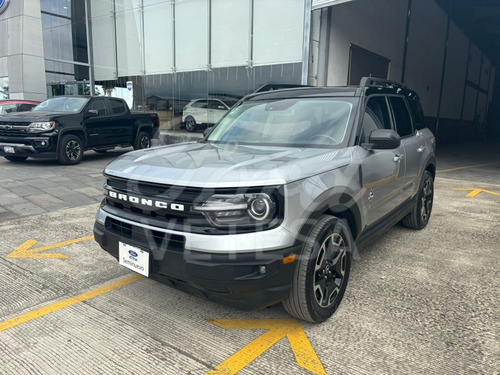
column 190, row 124
column 421, row 212
column 143, row 141
column 70, row 150
column 322, row 273
column 16, row 159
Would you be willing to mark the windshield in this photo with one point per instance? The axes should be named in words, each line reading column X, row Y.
column 287, row 122
column 61, row 104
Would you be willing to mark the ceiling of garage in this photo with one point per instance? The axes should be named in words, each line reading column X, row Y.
column 480, row 19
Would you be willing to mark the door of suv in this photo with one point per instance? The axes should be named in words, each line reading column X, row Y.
column 382, row 170
column 413, row 144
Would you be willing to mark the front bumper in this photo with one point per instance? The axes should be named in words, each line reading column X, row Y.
column 39, row 147
column 244, row 280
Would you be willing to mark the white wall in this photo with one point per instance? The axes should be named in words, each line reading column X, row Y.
column 380, row 27
column 426, row 46
column 377, row 26
column 454, row 78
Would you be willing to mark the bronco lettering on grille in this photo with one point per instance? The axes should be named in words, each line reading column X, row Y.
column 145, row 201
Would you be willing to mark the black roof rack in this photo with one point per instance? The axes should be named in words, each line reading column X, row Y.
column 380, row 82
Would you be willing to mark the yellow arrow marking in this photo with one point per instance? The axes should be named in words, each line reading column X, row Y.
column 25, row 250
column 277, row 329
column 66, row 302
column 475, row 192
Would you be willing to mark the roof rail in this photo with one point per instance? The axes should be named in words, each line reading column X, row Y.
column 380, row 82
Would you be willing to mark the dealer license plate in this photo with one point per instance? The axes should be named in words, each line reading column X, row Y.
column 9, row 150
column 134, row 258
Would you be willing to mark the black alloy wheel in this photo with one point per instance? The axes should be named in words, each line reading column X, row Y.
column 70, row 149
column 322, row 272
column 190, row 124
column 421, row 212
column 143, row 141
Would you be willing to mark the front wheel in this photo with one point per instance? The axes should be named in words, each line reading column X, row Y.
column 143, row 141
column 190, row 124
column 70, row 150
column 421, row 212
column 322, row 272
column 16, row 159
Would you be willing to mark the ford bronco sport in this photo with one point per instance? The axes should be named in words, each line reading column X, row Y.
column 270, row 206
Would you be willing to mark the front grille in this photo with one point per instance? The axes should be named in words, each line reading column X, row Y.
column 169, row 192
column 11, row 130
column 153, row 238
column 166, row 193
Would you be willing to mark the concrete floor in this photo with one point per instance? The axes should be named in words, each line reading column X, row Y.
column 417, row 301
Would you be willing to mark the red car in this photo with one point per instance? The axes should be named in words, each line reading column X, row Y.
column 9, row 106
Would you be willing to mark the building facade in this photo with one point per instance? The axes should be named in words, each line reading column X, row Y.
column 160, row 54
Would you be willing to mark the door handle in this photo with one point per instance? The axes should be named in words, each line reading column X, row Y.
column 397, row 157
column 421, row 149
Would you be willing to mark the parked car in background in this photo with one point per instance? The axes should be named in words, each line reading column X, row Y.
column 13, row 105
column 203, row 113
column 64, row 127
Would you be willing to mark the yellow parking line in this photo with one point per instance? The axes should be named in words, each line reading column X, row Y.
column 470, row 166
column 66, row 302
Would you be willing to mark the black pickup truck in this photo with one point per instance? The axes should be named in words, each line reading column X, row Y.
column 64, row 127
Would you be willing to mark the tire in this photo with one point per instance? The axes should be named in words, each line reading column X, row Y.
column 322, row 271
column 421, row 212
column 143, row 140
column 16, row 159
column 70, row 150
column 190, row 124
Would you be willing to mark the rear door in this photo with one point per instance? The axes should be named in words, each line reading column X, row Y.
column 382, row 170
column 411, row 140
column 120, row 125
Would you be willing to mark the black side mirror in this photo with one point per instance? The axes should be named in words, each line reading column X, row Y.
column 92, row 113
column 383, row 139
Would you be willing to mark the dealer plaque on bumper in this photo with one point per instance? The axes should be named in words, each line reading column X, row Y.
column 134, row 258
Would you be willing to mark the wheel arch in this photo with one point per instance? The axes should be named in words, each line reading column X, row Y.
column 341, row 205
column 79, row 133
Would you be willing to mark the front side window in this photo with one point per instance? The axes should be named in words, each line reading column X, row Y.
column 286, row 122
column 99, row 105
column 376, row 117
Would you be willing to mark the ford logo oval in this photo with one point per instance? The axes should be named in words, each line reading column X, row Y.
column 133, row 253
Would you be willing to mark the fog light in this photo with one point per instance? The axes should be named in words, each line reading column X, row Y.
column 43, row 143
column 100, row 217
column 262, row 270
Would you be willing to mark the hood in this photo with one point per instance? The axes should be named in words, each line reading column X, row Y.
column 25, row 117
column 211, row 165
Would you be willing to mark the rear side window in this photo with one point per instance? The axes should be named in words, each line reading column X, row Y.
column 401, row 115
column 418, row 114
column 117, row 106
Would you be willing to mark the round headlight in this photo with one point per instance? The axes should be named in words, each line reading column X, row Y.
column 259, row 208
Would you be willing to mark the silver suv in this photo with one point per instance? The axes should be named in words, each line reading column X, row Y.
column 272, row 204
